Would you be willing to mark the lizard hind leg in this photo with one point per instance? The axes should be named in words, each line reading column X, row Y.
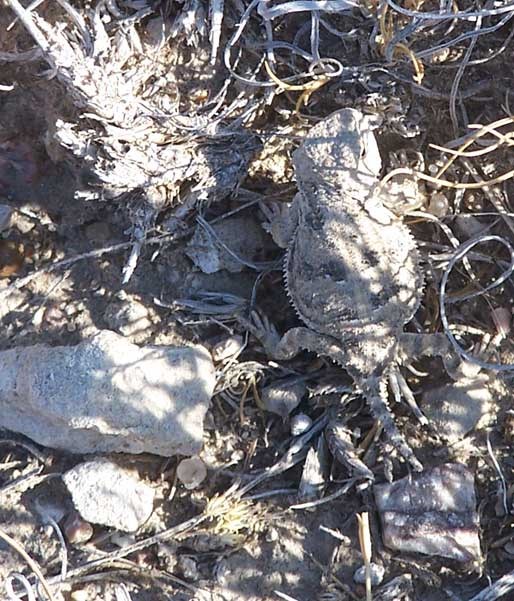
column 375, row 392
column 373, row 388
column 401, row 389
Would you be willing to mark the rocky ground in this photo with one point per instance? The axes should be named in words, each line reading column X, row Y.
column 142, row 152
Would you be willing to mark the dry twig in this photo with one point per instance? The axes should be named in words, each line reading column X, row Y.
column 30, row 562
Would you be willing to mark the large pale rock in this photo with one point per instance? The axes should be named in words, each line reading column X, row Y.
column 106, row 494
column 433, row 512
column 107, row 395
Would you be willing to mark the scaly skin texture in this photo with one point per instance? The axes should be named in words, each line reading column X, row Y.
column 351, row 265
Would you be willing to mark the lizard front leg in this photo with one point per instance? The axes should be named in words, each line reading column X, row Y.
column 291, row 343
column 282, row 221
column 411, row 346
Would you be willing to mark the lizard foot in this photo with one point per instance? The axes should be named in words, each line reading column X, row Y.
column 261, row 328
column 281, row 221
column 293, row 341
column 265, row 332
column 276, row 347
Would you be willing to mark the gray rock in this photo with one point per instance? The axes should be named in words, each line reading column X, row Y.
column 108, row 395
column 104, row 493
column 76, row 530
column 283, row 396
column 398, row 588
column 5, row 216
column 432, row 513
column 188, row 567
column 299, row 424
column 377, row 573
column 242, row 235
column 456, row 409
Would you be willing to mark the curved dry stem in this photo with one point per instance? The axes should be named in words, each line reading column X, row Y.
column 30, row 562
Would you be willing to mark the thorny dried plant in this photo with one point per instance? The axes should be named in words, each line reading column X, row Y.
column 234, row 517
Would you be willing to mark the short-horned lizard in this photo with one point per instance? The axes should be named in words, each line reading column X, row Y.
column 351, row 268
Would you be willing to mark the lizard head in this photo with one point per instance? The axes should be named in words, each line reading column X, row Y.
column 342, row 148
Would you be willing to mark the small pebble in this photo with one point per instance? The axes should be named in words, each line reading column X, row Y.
column 49, row 509
column 122, row 540
column 130, row 317
column 187, row 566
column 237, row 455
column 433, row 170
column 438, row 205
column 37, row 319
column 70, row 309
column 300, row 423
column 76, row 530
column 106, row 494
column 224, row 349
column 23, row 223
column 377, row 573
column 5, row 217
column 191, row 472
column 244, row 236
column 284, row 396
column 54, row 316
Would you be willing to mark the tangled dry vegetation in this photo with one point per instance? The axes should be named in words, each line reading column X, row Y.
column 142, row 144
